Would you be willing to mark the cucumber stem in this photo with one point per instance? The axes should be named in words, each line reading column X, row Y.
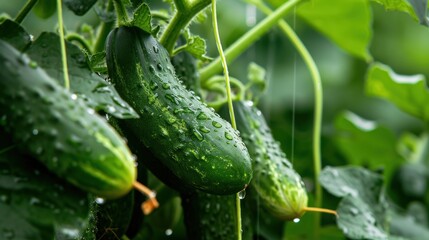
column 320, row 210
column 79, row 39
column 121, row 13
column 103, row 31
column 25, row 10
column 149, row 205
column 229, row 98
column 63, row 45
column 185, row 12
column 243, row 43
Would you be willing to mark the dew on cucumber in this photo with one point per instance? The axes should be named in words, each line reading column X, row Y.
column 216, row 124
column 204, row 129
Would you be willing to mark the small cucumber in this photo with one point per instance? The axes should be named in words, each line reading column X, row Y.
column 191, row 140
column 278, row 185
column 57, row 128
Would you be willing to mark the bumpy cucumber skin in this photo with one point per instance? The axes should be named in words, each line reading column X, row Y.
column 59, row 130
column 185, row 66
column 209, row 216
column 278, row 185
column 190, row 139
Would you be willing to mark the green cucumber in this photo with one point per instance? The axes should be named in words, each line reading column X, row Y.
column 198, row 146
column 277, row 184
column 58, row 128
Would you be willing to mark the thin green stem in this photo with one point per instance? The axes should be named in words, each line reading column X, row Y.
column 180, row 20
column 318, row 104
column 230, row 106
column 25, row 10
column 121, row 13
column 103, row 31
column 241, row 44
column 63, row 45
column 78, row 38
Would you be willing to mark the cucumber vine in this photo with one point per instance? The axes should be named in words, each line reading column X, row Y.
column 186, row 10
column 63, row 44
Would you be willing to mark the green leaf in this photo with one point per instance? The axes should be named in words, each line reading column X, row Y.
column 415, row 8
column 142, row 18
column 92, row 88
column 45, row 8
column 408, row 93
column 353, row 134
column 79, row 7
column 362, row 210
column 357, row 220
column 14, row 34
column 196, row 46
column 346, row 23
column 36, row 204
column 97, row 62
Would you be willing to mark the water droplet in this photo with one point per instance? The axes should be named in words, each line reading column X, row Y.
column 242, row 194
column 165, row 85
column 152, row 69
column 168, row 232
column 100, row 200
column 296, row 220
column 216, row 124
column 153, row 86
column 159, row 66
column 171, row 98
column 198, row 135
column 228, row 136
column 34, row 201
column 202, row 116
column 35, row 132
column 73, row 96
column 32, row 64
column 4, row 198
column 155, row 49
column 354, row 211
column 204, row 129
column 90, row 111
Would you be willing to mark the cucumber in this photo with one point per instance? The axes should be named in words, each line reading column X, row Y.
column 59, row 130
column 209, row 216
column 277, row 184
column 185, row 66
column 190, row 139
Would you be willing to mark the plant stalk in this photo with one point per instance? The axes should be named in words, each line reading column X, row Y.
column 229, row 98
column 241, row 44
column 121, row 13
column 63, row 45
column 104, row 30
column 181, row 18
column 25, row 10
